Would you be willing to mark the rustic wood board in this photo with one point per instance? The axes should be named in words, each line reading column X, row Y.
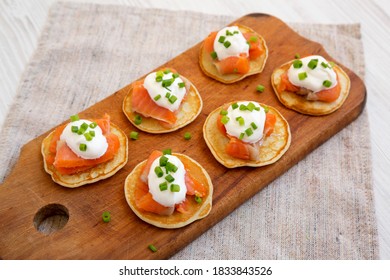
column 85, row 236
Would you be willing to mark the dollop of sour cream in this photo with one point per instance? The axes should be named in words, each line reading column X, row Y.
column 245, row 122
column 230, row 42
column 94, row 148
column 313, row 73
column 169, row 97
column 167, row 197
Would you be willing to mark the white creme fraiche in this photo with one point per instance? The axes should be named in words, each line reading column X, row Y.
column 167, row 198
column 158, row 93
column 236, row 46
column 315, row 77
column 253, row 121
column 95, row 148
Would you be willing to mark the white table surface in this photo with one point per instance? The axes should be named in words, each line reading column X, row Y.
column 22, row 20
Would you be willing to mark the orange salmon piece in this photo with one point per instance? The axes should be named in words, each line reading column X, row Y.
column 144, row 105
column 237, row 148
column 153, row 156
column 254, row 45
column 269, row 125
column 208, row 44
column 194, row 187
column 233, row 64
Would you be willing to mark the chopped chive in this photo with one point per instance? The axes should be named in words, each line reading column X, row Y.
column 297, row 55
column 159, row 172
column 163, row 161
column 167, row 95
column 223, row 112
column 88, row 136
column 327, row 83
column 257, row 108
column 198, row 199
column 106, row 216
column 138, row 120
column 266, row 109
column 163, row 186
column 80, row 131
column 169, row 178
column 83, row 147
column 302, row 76
column 175, row 75
column 172, row 99
column 181, row 85
column 168, row 82
column 187, row 136
column 74, row 118
column 159, row 74
column 253, row 125
column 253, row 39
column 167, row 152
column 175, row 188
column 297, row 64
column 152, row 248
column 234, row 106
column 74, row 128
column 167, row 71
column 221, row 39
column 171, row 167
column 251, row 106
column 260, row 88
column 159, row 78
column 241, row 121
column 84, row 126
column 92, row 133
column 93, row 125
column 214, row 55
column 134, row 135
column 228, row 33
column 157, row 97
column 243, row 107
column 249, row 131
column 227, row 44
column 325, row 65
column 225, row 119
column 236, row 32
column 312, row 64
column 332, row 64
column 241, row 136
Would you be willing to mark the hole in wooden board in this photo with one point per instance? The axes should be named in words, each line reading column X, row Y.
column 51, row 218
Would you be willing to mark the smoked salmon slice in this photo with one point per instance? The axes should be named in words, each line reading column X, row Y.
column 254, row 45
column 233, row 64
column 144, row 105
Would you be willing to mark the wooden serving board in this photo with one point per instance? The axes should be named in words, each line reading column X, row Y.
column 85, row 236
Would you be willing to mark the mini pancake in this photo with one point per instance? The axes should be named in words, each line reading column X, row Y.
column 256, row 65
column 190, row 108
column 94, row 174
column 272, row 148
column 176, row 220
column 308, row 107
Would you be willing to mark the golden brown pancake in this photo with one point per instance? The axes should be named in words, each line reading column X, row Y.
column 308, row 107
column 188, row 111
column 272, row 148
column 94, row 174
column 256, row 65
column 176, row 220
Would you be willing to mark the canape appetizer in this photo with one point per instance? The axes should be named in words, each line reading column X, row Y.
column 246, row 133
column 84, row 151
column 233, row 53
column 169, row 190
column 162, row 102
column 311, row 85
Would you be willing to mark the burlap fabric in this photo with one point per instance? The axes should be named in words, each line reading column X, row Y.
column 320, row 209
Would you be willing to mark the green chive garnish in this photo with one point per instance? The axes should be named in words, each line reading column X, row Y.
column 225, row 119
column 167, row 83
column 302, row 76
column 214, row 55
column 175, row 75
column 260, row 88
column 88, row 136
column 327, row 83
column 266, row 109
column 74, row 118
column 227, row 44
column 221, row 39
column 253, row 125
column 325, row 65
column 106, row 216
column 159, row 172
column 243, row 107
column 251, row 106
column 249, row 131
column 163, row 161
column 167, row 71
column 332, row 64
column 169, row 178
column 152, row 248
column 234, row 106
column 157, row 97
column 163, row 186
column 93, row 125
column 83, row 147
column 92, row 133
column 312, row 64
column 167, row 95
column 241, row 121
column 253, row 39
column 170, row 167
column 198, row 199
column 228, row 33
column 297, row 64
column 167, row 152
column 181, row 85
column 241, row 136
column 159, row 73
column 187, row 135
column 138, row 120
column 134, row 135
column 84, row 126
column 74, row 128
column 236, row 32
column 297, row 55
column 175, row 188
column 223, row 112
column 159, row 78
column 172, row 99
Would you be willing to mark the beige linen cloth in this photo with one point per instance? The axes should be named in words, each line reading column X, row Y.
column 322, row 208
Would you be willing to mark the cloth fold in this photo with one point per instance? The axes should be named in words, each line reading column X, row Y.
column 322, row 208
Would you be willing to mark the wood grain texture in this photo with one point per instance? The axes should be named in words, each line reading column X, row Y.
column 86, row 236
